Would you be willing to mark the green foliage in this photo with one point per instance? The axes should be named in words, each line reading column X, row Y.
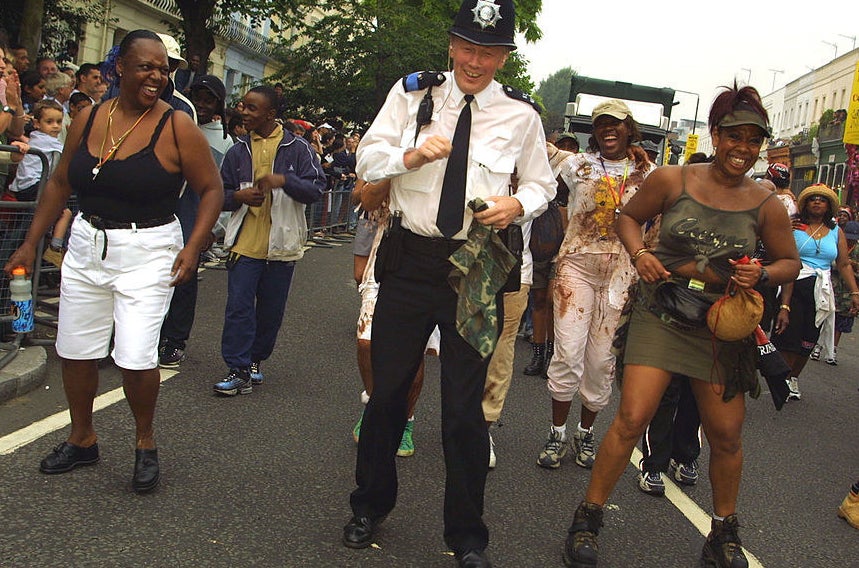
column 827, row 116
column 555, row 92
column 350, row 58
column 62, row 20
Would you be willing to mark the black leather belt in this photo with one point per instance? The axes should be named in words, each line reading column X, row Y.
column 105, row 224
column 699, row 285
column 430, row 245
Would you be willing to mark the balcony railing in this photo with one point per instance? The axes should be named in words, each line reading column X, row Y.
column 228, row 28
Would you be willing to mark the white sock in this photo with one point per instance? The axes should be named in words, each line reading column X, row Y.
column 718, row 518
column 365, row 398
column 562, row 430
column 583, row 430
column 412, row 419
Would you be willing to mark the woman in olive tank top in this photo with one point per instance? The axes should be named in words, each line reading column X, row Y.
column 712, row 214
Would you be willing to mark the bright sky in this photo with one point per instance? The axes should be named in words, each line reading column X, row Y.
column 690, row 45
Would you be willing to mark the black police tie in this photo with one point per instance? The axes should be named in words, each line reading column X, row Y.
column 451, row 206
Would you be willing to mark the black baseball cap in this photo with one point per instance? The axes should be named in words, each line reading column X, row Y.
column 212, row 83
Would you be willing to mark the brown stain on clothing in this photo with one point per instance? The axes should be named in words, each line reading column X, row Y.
column 564, row 298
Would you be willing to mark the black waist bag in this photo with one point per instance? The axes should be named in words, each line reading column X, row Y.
column 679, row 306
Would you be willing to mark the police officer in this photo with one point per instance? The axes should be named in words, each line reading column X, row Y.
column 422, row 147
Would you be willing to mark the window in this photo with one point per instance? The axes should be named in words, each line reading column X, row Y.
column 823, row 173
column 838, row 177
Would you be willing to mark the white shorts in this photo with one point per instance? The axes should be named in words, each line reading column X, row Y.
column 129, row 290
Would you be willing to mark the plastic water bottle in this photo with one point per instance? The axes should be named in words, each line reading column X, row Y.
column 21, row 293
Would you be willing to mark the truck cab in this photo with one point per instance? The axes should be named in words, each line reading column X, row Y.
column 650, row 106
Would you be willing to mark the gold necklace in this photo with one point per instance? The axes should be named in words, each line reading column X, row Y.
column 112, row 151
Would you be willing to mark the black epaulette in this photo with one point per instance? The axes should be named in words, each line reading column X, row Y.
column 422, row 80
column 524, row 97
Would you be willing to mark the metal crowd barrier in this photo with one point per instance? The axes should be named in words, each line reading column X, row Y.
column 332, row 219
column 15, row 219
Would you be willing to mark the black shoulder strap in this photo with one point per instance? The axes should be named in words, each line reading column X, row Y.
column 159, row 128
column 88, row 127
column 522, row 96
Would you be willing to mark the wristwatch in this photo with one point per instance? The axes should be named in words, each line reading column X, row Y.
column 10, row 110
column 764, row 278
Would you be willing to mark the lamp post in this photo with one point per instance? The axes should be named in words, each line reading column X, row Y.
column 851, row 38
column 697, row 100
column 775, row 72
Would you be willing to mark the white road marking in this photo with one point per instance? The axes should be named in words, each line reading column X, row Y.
column 689, row 508
column 20, row 438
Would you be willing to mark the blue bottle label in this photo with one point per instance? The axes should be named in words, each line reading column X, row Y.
column 23, row 312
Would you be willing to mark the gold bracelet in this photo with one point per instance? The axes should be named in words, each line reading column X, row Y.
column 856, row 293
column 784, row 307
column 639, row 253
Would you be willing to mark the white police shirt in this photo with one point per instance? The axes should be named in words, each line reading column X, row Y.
column 505, row 134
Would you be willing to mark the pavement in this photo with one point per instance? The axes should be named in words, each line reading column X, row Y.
column 26, row 371
column 264, row 479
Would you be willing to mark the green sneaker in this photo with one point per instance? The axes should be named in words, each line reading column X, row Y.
column 407, row 444
column 356, row 431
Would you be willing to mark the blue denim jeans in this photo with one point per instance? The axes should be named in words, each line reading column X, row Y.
column 256, row 300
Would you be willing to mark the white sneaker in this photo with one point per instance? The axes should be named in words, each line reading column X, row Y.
column 815, row 353
column 491, row 452
column 793, row 387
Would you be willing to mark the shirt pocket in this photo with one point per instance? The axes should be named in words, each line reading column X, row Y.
column 422, row 179
column 490, row 171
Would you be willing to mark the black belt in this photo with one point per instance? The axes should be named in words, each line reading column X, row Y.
column 105, row 224
column 430, row 245
column 695, row 284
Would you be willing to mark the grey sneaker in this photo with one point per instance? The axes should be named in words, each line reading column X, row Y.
column 793, row 387
column 651, row 483
column 583, row 445
column 685, row 473
column 554, row 449
column 815, row 353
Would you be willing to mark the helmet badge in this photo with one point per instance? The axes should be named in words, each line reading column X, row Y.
column 486, row 13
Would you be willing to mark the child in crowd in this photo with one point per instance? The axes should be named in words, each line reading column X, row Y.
column 47, row 124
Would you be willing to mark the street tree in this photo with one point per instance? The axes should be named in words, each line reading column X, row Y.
column 554, row 91
column 349, row 57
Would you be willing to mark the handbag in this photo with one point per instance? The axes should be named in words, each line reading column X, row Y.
column 735, row 315
column 547, row 233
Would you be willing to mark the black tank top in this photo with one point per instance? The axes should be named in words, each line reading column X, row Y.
column 134, row 189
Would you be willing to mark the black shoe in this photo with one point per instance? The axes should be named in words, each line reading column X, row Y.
column 473, row 559
column 723, row 548
column 538, row 360
column 359, row 532
column 581, row 549
column 146, row 471
column 66, row 457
